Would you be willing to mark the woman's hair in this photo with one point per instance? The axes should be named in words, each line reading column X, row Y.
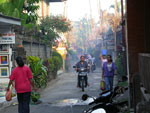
column 109, row 56
column 19, row 61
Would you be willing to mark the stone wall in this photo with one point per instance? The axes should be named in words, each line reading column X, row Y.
column 36, row 49
column 30, row 47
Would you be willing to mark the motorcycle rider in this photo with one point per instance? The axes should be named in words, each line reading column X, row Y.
column 84, row 64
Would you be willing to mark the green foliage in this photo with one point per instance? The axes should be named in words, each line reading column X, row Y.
column 84, row 29
column 12, row 8
column 55, row 65
column 23, row 9
column 120, row 67
column 52, row 26
column 31, row 7
column 52, row 66
column 55, row 53
column 33, row 59
column 39, row 71
column 58, row 23
column 35, row 96
column 2, row 1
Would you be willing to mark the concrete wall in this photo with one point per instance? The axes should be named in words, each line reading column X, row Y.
column 35, row 48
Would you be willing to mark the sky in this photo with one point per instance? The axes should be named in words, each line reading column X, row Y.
column 77, row 9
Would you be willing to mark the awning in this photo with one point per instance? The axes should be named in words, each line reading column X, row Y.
column 6, row 22
column 9, row 20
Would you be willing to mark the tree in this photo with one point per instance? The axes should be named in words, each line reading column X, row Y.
column 30, row 8
column 114, row 21
column 52, row 26
column 23, row 9
column 12, row 8
column 84, row 32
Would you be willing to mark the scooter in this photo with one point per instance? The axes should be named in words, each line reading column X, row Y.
column 106, row 96
column 113, row 107
column 105, row 102
column 82, row 74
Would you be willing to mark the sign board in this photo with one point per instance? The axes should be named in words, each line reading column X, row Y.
column 8, row 38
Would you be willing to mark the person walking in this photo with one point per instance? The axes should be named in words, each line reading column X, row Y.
column 22, row 76
column 108, row 72
column 103, row 59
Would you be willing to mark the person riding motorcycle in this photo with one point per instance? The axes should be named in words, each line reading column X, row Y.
column 84, row 64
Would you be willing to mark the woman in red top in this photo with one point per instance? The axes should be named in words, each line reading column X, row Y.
column 22, row 76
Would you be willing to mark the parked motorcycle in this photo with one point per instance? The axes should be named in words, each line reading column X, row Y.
column 105, row 102
column 114, row 107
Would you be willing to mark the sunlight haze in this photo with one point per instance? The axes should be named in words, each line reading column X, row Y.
column 77, row 9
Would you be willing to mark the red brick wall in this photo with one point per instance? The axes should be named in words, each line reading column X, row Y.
column 135, row 27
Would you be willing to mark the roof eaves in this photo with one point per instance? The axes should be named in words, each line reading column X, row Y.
column 10, row 20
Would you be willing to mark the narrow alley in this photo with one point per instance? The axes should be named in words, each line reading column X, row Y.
column 62, row 95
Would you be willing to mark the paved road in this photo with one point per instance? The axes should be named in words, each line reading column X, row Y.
column 62, row 95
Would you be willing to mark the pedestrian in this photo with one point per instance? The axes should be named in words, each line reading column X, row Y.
column 93, row 63
column 103, row 59
column 108, row 72
column 22, row 76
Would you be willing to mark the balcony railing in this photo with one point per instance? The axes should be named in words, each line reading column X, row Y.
column 144, row 70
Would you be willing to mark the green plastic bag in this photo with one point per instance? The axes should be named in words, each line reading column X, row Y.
column 102, row 85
